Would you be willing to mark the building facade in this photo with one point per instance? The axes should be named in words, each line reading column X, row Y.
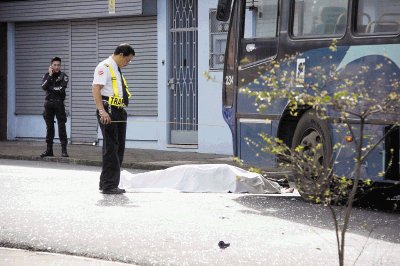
column 174, row 105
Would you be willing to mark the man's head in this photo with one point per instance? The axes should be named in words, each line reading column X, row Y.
column 123, row 54
column 56, row 64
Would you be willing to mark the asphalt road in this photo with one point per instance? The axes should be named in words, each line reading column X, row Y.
column 57, row 208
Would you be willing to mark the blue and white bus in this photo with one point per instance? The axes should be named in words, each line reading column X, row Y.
column 263, row 32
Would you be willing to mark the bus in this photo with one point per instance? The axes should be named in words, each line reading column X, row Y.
column 264, row 32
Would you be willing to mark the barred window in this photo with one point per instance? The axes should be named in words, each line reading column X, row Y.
column 218, row 36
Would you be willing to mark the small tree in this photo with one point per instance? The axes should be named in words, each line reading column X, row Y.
column 346, row 96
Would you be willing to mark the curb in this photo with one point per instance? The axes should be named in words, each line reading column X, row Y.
column 141, row 166
column 31, row 256
column 138, row 165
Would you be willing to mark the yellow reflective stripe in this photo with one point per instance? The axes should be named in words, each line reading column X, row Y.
column 116, row 101
column 113, row 80
column 114, row 84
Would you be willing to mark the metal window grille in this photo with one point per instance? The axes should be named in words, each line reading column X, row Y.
column 218, row 37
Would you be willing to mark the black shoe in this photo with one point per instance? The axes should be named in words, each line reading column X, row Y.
column 114, row 191
column 46, row 153
column 64, row 152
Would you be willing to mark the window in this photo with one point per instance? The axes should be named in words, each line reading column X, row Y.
column 218, row 36
column 378, row 17
column 320, row 18
column 261, row 19
column 259, row 41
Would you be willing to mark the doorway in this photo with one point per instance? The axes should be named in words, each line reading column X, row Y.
column 183, row 82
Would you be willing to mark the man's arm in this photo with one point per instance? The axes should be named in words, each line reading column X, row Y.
column 46, row 82
column 64, row 82
column 47, row 78
column 96, row 92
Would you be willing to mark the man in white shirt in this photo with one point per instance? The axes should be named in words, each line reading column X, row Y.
column 111, row 95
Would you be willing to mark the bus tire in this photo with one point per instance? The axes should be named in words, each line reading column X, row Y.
column 312, row 179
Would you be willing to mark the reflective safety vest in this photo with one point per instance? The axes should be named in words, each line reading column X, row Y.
column 116, row 100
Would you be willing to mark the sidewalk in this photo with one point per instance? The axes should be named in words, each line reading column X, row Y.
column 91, row 155
column 19, row 257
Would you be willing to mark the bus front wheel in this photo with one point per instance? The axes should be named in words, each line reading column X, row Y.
column 312, row 151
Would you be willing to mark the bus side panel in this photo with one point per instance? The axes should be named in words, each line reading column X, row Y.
column 253, row 79
column 384, row 62
column 374, row 167
column 251, row 143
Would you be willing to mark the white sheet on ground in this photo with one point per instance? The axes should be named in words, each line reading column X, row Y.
column 198, row 178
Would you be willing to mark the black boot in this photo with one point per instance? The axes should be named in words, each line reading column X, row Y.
column 64, row 150
column 48, row 151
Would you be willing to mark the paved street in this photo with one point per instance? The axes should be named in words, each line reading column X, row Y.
column 55, row 207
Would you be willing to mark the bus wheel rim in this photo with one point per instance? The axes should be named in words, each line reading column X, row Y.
column 312, row 151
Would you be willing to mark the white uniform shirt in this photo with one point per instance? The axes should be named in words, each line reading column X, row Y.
column 102, row 76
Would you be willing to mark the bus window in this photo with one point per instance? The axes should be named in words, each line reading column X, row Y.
column 319, row 18
column 260, row 31
column 378, row 17
column 261, row 19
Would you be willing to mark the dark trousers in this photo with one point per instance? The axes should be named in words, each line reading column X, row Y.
column 57, row 109
column 114, row 135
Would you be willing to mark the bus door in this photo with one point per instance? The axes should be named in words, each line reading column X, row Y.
column 258, row 47
column 225, row 12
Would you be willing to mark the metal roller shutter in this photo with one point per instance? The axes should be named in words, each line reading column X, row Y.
column 141, row 74
column 35, row 45
column 81, row 45
column 83, row 62
column 35, row 10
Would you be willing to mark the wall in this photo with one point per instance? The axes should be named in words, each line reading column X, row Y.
column 145, row 132
column 152, row 132
column 214, row 134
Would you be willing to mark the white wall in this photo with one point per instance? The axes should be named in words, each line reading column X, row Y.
column 214, row 134
column 142, row 133
column 34, row 127
column 153, row 133
column 163, row 63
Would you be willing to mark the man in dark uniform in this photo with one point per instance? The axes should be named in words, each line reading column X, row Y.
column 54, row 83
column 111, row 95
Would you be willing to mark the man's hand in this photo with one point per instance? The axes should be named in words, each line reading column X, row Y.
column 51, row 71
column 104, row 117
